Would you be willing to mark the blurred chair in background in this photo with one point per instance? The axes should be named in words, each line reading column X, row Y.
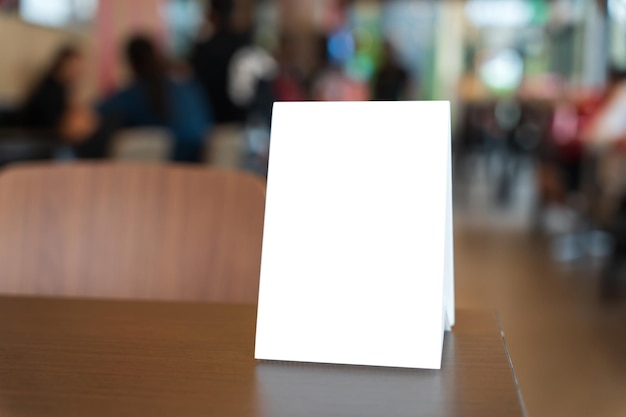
column 225, row 147
column 611, row 287
column 142, row 144
column 21, row 145
column 131, row 231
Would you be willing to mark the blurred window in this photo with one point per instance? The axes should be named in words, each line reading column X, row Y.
column 617, row 10
column 184, row 18
column 504, row 13
column 58, row 13
column 617, row 42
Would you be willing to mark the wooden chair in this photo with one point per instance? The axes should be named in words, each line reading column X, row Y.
column 131, row 231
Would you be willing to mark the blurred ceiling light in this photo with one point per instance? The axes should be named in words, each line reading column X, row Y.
column 617, row 10
column 502, row 71
column 499, row 13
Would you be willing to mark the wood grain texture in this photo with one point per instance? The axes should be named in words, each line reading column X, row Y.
column 128, row 358
column 131, row 231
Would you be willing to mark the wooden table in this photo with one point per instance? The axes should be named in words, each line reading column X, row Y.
column 115, row 358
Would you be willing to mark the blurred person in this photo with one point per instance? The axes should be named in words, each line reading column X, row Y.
column 155, row 99
column 391, row 82
column 211, row 58
column 559, row 177
column 507, row 115
column 577, row 124
column 560, row 172
column 606, row 125
column 605, row 136
column 53, row 104
column 253, row 72
column 332, row 83
column 605, row 133
column 569, row 208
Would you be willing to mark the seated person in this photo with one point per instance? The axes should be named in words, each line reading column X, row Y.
column 154, row 99
column 53, row 107
column 606, row 134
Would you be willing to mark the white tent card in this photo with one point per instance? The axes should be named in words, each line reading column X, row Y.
column 357, row 263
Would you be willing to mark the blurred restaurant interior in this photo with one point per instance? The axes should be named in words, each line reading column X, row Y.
column 538, row 95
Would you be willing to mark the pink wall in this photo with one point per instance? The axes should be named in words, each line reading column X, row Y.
column 116, row 21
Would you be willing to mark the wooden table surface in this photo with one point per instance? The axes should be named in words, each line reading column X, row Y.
column 125, row 358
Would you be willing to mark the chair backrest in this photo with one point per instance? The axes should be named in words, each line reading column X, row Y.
column 142, row 144
column 131, row 231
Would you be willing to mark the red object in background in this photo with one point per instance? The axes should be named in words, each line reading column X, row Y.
column 588, row 107
column 570, row 120
column 9, row 5
column 564, row 124
column 287, row 88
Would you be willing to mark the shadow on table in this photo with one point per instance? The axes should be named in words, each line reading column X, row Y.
column 299, row 390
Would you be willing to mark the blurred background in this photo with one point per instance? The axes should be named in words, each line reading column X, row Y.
column 538, row 92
